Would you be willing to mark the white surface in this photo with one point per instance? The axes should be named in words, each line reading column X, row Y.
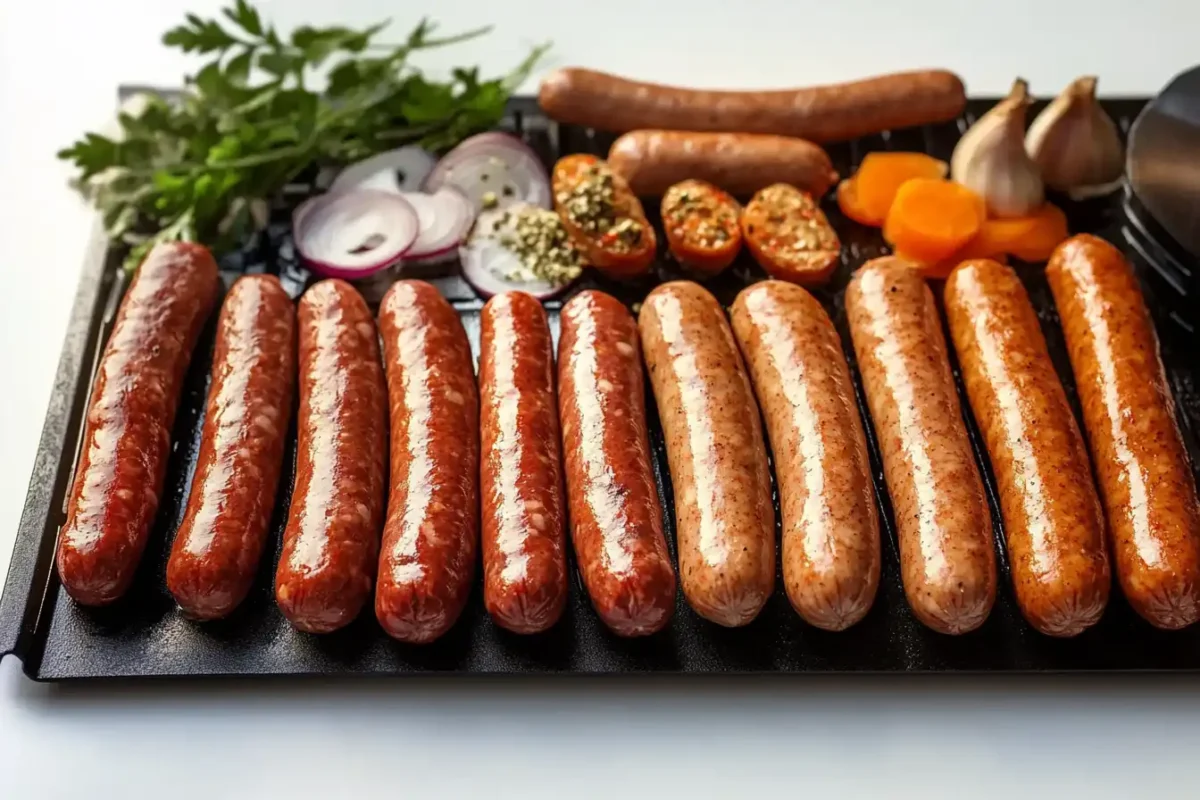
column 60, row 63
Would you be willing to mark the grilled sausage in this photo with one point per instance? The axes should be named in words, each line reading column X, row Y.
column 820, row 114
column 127, row 434
column 524, row 559
column 739, row 163
column 715, row 451
column 616, row 520
column 431, row 536
column 947, row 565
column 220, row 542
column 1142, row 467
column 830, row 523
column 332, row 535
column 1053, row 524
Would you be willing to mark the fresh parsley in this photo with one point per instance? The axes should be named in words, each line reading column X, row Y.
column 202, row 167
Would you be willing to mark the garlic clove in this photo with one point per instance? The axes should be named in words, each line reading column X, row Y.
column 990, row 159
column 1076, row 144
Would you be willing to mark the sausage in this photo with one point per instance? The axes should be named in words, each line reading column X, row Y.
column 1053, row 523
column 947, row 563
column 829, row 113
column 431, row 537
column 1142, row 468
column 604, row 219
column 739, row 163
column 524, row 559
column 616, row 520
column 224, row 529
column 715, row 451
column 332, row 535
column 830, row 524
column 127, row 434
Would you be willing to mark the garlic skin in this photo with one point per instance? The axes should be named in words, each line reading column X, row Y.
column 990, row 159
column 1075, row 143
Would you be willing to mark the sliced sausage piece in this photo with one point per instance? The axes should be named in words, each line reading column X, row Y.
column 830, row 523
column 431, row 537
column 789, row 236
column 1146, row 482
column 701, row 223
column 723, row 511
column 604, row 219
column 331, row 540
column 616, row 520
column 1053, row 524
column 944, row 528
column 524, row 559
column 127, row 433
column 219, row 544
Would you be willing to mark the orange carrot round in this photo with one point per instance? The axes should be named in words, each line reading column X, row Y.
column 1031, row 238
column 848, row 202
column 881, row 175
column 931, row 219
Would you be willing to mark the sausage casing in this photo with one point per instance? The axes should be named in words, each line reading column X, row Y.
column 431, row 536
column 1053, row 524
column 830, row 523
column 524, row 558
column 220, row 542
column 948, row 565
column 127, row 435
column 1146, row 482
column 616, row 519
column 715, row 451
column 330, row 543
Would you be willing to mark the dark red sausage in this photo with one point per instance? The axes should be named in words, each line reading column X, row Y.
column 524, row 564
column 332, row 536
column 217, row 548
column 616, row 520
column 128, row 428
column 431, row 536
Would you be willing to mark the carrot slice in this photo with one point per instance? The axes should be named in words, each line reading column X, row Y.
column 848, row 202
column 881, row 175
column 931, row 219
column 1031, row 238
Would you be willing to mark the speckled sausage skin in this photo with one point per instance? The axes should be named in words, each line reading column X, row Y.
column 723, row 511
column 830, row 522
column 948, row 564
column 1142, row 466
column 1053, row 523
column 219, row 543
column 128, row 427
column 332, row 535
column 616, row 519
column 524, row 548
column 431, row 536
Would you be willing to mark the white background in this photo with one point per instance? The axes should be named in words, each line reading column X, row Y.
column 60, row 63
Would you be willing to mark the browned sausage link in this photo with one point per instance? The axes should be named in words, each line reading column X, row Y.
column 127, row 435
column 948, row 564
column 739, row 163
column 1052, row 519
column 431, row 536
column 332, row 534
column 819, row 113
column 217, row 549
column 715, row 451
column 1141, row 463
column 524, row 559
column 830, row 523
column 616, row 520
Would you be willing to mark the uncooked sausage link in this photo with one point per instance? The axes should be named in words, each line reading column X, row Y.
column 431, row 536
column 948, row 564
column 524, row 558
column 332, row 535
column 127, row 435
column 1053, row 523
column 1142, row 466
column 715, row 451
column 616, row 520
column 219, row 543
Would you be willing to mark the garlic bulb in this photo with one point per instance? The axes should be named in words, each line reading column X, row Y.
column 1075, row 143
column 990, row 159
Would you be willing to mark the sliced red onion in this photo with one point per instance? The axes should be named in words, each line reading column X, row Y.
column 355, row 233
column 494, row 170
column 487, row 263
column 445, row 217
column 404, row 169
